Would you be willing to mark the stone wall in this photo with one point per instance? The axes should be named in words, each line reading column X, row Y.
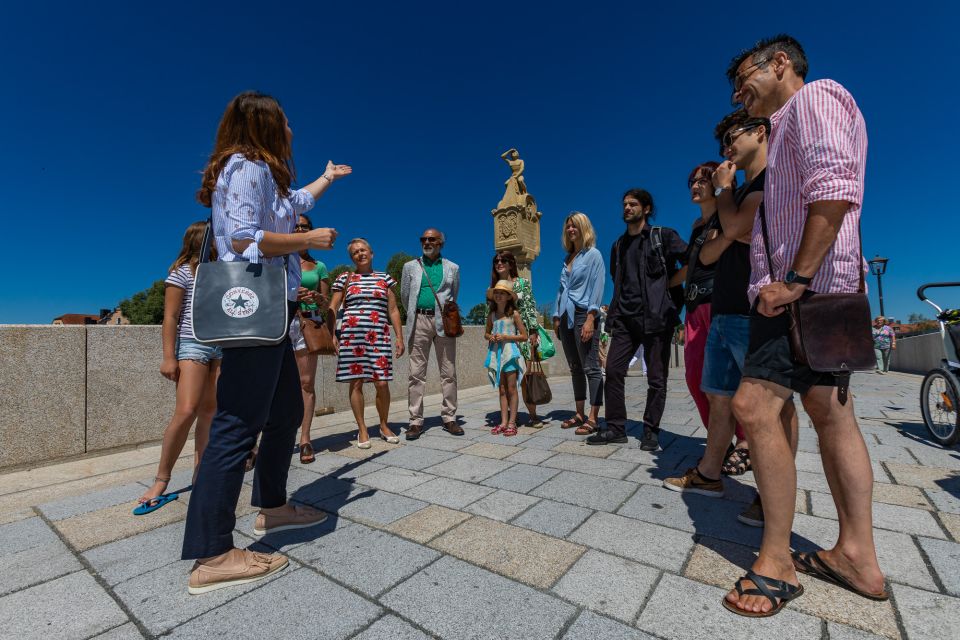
column 917, row 354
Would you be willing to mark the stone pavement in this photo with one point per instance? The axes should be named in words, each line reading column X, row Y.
column 535, row 536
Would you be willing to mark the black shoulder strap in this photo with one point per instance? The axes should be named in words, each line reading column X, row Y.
column 656, row 236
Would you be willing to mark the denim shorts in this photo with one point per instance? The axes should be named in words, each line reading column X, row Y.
column 190, row 349
column 726, row 350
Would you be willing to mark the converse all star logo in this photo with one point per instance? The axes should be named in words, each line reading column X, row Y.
column 240, row 302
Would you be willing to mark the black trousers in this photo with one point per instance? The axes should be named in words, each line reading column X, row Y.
column 626, row 335
column 258, row 390
column 583, row 358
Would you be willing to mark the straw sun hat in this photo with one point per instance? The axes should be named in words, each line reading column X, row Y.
column 502, row 285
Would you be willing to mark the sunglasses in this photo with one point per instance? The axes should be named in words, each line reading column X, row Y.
column 426, row 239
column 301, row 227
column 501, row 261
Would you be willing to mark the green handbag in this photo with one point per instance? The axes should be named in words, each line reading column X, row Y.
column 546, row 349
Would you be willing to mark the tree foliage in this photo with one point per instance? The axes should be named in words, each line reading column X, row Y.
column 145, row 307
column 477, row 314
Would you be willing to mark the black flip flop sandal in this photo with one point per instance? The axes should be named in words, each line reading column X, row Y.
column 811, row 564
column 737, row 463
column 778, row 592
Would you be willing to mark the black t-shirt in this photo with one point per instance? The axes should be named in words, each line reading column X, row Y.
column 732, row 276
column 702, row 274
column 630, row 300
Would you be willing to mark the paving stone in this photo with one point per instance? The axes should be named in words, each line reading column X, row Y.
column 489, row 450
column 608, row 584
column 94, row 528
column 544, row 443
column 520, row 554
column 650, row 475
column 502, row 505
column 469, row 468
column 15, row 516
column 127, row 631
column 349, row 612
column 555, row 519
column 838, row 631
column 590, row 626
column 585, row 490
column 712, row 517
column 391, row 628
column 927, row 615
column 428, row 523
column 636, row 540
column 415, row 458
column 73, row 606
column 890, row 453
column 76, row 505
column 901, row 495
column 594, row 466
column 312, row 489
column 951, row 522
column 36, row 564
column 721, row 564
column 369, row 506
column 702, row 615
column 530, row 456
column 366, row 559
column 124, row 559
column 502, row 439
column 945, row 558
column 885, row 516
column 933, row 456
column 944, row 501
column 440, row 444
column 449, row 493
column 395, row 479
column 520, row 477
column 479, row 611
column 581, row 448
column 915, row 475
column 25, row 534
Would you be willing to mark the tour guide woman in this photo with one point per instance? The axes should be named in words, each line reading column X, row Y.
column 247, row 183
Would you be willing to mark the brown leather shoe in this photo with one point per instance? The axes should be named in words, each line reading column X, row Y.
column 414, row 431
column 453, row 428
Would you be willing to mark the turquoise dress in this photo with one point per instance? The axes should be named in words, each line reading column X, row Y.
column 504, row 357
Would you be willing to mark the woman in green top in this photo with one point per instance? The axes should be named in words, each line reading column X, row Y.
column 314, row 295
column 505, row 268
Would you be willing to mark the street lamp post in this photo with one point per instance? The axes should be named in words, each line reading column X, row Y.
column 878, row 266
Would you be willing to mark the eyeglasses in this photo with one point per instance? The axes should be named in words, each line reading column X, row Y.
column 301, row 227
column 426, row 239
column 742, row 77
column 731, row 136
column 694, row 181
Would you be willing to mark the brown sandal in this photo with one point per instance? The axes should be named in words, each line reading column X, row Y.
column 586, row 429
column 737, row 463
column 306, row 454
column 575, row 421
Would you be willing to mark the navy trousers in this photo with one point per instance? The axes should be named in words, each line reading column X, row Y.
column 258, row 390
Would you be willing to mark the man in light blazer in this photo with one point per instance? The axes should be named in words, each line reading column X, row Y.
column 425, row 329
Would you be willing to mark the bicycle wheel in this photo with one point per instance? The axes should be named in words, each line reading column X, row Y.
column 939, row 403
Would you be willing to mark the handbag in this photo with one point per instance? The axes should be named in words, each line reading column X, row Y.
column 830, row 332
column 449, row 311
column 239, row 304
column 534, row 386
column 545, row 349
column 318, row 334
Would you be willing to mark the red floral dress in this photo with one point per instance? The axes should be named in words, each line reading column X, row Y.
column 365, row 347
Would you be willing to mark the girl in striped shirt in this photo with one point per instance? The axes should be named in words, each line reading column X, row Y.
column 191, row 365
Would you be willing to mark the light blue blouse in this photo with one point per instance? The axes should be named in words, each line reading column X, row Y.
column 581, row 286
column 245, row 204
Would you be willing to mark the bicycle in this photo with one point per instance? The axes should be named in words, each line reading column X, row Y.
column 940, row 391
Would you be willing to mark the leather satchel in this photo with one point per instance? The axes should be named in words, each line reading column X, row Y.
column 449, row 311
column 830, row 332
column 534, row 386
column 318, row 335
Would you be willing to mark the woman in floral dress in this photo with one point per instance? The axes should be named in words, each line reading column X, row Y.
column 363, row 349
column 505, row 268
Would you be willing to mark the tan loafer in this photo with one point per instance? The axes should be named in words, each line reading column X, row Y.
column 301, row 518
column 235, row 567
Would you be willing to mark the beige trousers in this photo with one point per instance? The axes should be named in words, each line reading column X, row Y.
column 425, row 336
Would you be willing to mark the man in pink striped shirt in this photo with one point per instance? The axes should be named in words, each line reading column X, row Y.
column 814, row 189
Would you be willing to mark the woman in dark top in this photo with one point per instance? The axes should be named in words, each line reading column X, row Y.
column 698, row 279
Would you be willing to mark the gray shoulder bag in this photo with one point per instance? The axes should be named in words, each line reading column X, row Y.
column 239, row 304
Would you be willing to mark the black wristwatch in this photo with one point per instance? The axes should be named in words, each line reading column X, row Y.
column 795, row 278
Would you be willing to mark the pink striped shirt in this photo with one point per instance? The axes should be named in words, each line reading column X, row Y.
column 817, row 151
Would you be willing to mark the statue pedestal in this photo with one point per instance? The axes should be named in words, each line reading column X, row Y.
column 516, row 228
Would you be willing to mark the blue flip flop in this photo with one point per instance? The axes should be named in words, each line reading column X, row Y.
column 152, row 505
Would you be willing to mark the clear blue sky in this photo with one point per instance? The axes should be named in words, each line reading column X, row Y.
column 109, row 113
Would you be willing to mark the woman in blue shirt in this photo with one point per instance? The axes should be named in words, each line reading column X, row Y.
column 575, row 318
column 247, row 183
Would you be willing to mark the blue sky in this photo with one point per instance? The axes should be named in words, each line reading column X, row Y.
column 110, row 113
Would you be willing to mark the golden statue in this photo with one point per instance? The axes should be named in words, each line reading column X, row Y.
column 516, row 219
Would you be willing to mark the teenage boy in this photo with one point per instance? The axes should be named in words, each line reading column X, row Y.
column 643, row 264
column 811, row 208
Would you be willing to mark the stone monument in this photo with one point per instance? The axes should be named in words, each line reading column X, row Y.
column 516, row 221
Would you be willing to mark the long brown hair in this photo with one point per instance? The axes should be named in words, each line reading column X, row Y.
column 254, row 125
column 511, row 262
column 190, row 251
